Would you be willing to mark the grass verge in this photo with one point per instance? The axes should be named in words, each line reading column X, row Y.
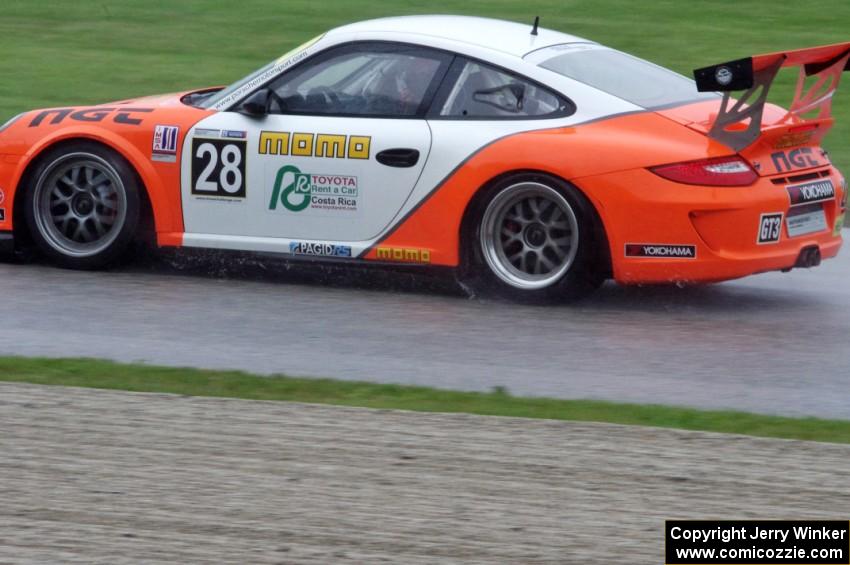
column 233, row 384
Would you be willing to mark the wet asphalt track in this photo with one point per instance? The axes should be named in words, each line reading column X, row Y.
column 775, row 343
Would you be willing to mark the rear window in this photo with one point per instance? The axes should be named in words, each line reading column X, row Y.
column 634, row 80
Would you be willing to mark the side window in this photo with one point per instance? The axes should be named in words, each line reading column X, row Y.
column 381, row 80
column 485, row 92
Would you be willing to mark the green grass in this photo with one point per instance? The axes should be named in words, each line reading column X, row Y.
column 232, row 384
column 58, row 52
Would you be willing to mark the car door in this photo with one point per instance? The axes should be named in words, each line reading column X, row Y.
column 338, row 154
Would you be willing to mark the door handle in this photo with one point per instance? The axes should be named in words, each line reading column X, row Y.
column 398, row 157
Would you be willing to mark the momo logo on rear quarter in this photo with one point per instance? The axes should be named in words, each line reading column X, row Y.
column 403, row 255
column 661, row 250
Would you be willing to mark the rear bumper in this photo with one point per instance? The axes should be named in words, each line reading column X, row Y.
column 663, row 232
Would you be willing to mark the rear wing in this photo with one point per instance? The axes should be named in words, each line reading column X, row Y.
column 739, row 122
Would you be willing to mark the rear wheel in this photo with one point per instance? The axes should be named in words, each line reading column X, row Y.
column 534, row 239
column 83, row 206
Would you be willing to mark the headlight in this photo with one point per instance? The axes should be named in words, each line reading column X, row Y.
column 12, row 121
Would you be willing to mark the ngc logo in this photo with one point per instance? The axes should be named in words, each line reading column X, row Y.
column 796, row 159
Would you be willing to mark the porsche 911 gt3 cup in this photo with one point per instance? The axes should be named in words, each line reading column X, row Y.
column 537, row 164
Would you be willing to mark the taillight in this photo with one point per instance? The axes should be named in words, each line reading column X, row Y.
column 719, row 171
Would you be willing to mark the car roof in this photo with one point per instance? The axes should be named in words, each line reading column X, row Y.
column 498, row 35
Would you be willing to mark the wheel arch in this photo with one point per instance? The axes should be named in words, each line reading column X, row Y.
column 157, row 217
column 475, row 204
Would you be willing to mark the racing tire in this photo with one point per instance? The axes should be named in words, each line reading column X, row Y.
column 536, row 239
column 82, row 205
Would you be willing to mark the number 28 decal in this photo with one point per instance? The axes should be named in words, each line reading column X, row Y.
column 218, row 168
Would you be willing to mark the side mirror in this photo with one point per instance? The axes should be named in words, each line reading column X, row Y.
column 256, row 105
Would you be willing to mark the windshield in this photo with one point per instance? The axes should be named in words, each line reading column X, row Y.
column 634, row 80
column 261, row 76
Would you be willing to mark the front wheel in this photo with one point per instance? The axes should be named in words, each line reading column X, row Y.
column 83, row 207
column 535, row 239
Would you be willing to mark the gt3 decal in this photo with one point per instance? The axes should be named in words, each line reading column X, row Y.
column 121, row 116
column 661, row 250
column 770, row 228
column 296, row 191
column 319, row 249
column 218, row 168
column 314, row 145
column 807, row 193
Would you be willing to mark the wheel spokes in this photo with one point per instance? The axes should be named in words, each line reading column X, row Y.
column 80, row 205
column 531, row 235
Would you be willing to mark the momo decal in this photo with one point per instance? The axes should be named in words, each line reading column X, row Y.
column 165, row 143
column 817, row 191
column 770, row 228
column 119, row 115
column 403, row 254
column 295, row 191
column 661, row 250
column 332, row 146
column 319, row 249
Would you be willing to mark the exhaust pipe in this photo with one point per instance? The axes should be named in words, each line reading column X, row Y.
column 809, row 257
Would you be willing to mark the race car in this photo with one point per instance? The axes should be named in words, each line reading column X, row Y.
column 537, row 164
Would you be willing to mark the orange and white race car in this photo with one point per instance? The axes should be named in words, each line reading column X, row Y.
column 536, row 163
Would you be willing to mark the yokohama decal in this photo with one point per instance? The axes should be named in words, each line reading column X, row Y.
column 818, row 191
column 661, row 250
